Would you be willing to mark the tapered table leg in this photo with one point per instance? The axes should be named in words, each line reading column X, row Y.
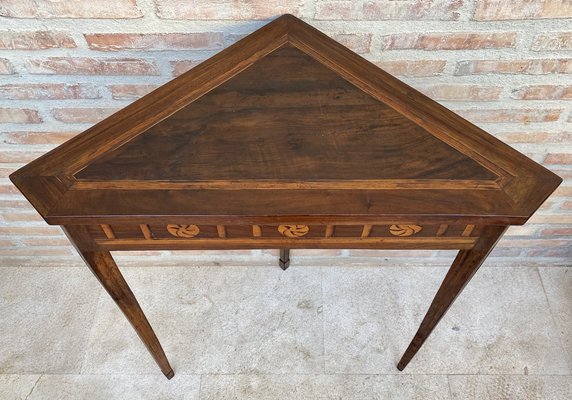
column 284, row 261
column 464, row 267
column 104, row 268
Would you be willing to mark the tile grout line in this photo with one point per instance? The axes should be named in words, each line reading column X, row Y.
column 323, row 320
column 200, row 386
column 449, row 386
column 564, row 351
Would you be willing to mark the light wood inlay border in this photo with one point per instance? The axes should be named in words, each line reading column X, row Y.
column 468, row 230
column 108, row 231
column 429, row 243
column 350, row 184
column 329, row 231
column 146, row 231
column 221, row 230
column 366, row 231
column 442, row 229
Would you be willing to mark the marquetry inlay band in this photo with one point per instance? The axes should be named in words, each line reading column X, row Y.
column 329, row 232
column 183, row 231
column 293, row 231
column 404, row 230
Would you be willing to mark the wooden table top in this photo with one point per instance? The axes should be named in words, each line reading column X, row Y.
column 286, row 124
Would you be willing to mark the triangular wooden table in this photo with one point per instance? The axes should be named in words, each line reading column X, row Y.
column 284, row 140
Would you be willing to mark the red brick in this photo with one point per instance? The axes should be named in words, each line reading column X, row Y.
column 155, row 41
column 462, row 92
column 487, row 10
column 563, row 191
column 70, row 9
column 413, row 67
column 23, row 204
column 50, row 91
column 34, row 252
column 529, row 67
column 19, row 116
column 563, row 251
column 535, row 137
column 6, row 67
column 384, row 10
column 449, row 41
column 49, row 241
column 7, row 188
column 543, row 243
column 130, row 92
column 511, row 115
column 357, row 42
column 91, row 66
column 36, row 137
column 6, row 244
column 20, row 157
column 30, row 230
column 557, row 232
column 506, row 252
column 558, row 158
column 21, row 217
column 182, row 66
column 226, row 9
column 553, row 41
column 543, row 92
column 35, row 40
column 82, row 115
column 527, row 230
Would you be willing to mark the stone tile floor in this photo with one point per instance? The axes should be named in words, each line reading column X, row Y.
column 312, row 332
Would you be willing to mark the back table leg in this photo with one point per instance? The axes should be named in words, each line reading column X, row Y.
column 104, row 268
column 284, row 261
column 464, row 267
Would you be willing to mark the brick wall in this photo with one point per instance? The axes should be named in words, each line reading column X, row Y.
column 505, row 65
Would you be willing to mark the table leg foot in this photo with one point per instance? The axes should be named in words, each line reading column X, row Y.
column 284, row 261
column 170, row 374
column 464, row 267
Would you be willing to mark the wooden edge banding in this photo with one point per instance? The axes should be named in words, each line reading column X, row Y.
column 366, row 231
column 468, row 230
column 428, row 243
column 256, row 231
column 147, row 234
column 108, row 231
column 329, row 231
column 442, row 229
column 221, row 230
column 263, row 184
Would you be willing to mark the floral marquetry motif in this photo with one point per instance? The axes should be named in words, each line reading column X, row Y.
column 184, row 231
column 293, row 231
column 404, row 230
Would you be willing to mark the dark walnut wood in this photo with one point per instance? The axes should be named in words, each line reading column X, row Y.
column 284, row 140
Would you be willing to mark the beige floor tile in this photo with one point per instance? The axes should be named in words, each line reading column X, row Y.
column 216, row 320
column 120, row 387
column 46, row 316
column 558, row 287
column 324, row 387
column 500, row 324
column 16, row 387
column 510, row 387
